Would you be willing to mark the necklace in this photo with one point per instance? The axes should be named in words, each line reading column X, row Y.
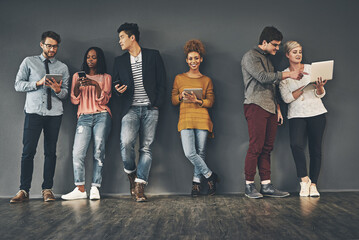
column 137, row 58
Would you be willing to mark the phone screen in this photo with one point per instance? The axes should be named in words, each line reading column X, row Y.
column 81, row 74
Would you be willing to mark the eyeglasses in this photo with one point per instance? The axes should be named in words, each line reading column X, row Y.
column 49, row 46
column 275, row 44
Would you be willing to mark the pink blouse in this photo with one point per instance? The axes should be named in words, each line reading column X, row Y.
column 87, row 99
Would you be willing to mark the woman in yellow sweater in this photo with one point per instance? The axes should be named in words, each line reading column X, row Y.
column 194, row 123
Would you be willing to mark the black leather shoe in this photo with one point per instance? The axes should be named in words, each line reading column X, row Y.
column 196, row 191
column 269, row 190
column 251, row 191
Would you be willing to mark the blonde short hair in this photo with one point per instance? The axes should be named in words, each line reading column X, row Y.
column 290, row 45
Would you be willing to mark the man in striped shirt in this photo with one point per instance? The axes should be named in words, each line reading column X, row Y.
column 139, row 79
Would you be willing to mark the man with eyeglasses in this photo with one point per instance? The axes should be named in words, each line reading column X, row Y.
column 262, row 110
column 43, row 112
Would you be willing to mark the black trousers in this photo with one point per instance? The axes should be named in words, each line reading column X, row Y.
column 301, row 131
column 33, row 126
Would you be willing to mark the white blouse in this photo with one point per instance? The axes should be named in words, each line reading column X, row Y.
column 309, row 104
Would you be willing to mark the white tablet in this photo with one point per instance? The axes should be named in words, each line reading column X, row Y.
column 322, row 69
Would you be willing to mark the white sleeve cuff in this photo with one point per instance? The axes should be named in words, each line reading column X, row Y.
column 317, row 95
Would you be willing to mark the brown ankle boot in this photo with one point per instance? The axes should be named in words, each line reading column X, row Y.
column 140, row 192
column 196, row 190
column 212, row 181
column 131, row 178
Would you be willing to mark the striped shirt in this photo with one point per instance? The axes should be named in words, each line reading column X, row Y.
column 140, row 97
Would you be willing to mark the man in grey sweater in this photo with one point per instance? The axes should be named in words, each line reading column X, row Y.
column 262, row 110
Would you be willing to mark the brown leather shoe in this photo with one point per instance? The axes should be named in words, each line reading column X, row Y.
column 21, row 196
column 48, row 195
column 140, row 192
column 131, row 178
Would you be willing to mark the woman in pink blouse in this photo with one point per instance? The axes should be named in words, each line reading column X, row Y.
column 91, row 93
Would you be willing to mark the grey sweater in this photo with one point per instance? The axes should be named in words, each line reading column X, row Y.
column 260, row 80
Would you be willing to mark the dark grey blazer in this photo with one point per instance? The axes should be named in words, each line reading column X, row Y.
column 154, row 78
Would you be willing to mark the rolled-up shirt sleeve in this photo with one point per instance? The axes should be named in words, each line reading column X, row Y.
column 65, row 84
column 22, row 83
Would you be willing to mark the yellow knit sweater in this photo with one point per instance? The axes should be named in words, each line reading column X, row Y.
column 192, row 115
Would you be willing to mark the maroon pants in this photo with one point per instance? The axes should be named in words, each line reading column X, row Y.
column 262, row 128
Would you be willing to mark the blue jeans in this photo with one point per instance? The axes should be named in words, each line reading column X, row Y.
column 99, row 125
column 33, row 126
column 194, row 146
column 142, row 121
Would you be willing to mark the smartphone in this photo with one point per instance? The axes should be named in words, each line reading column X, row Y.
column 81, row 74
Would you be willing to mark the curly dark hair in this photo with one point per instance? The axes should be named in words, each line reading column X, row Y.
column 194, row 45
column 101, row 63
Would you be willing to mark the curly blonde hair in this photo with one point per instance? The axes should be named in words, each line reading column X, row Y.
column 194, row 45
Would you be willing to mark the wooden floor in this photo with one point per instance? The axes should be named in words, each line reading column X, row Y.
column 332, row 216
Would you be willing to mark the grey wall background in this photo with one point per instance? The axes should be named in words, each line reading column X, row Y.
column 326, row 29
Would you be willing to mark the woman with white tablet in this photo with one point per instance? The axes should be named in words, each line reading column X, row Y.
column 91, row 91
column 306, row 114
column 195, row 124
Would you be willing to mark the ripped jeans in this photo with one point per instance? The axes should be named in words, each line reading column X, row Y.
column 99, row 126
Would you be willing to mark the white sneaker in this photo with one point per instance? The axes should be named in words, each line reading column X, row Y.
column 304, row 188
column 313, row 191
column 94, row 193
column 75, row 194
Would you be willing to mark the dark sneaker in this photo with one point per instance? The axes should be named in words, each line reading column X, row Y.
column 48, row 195
column 269, row 190
column 131, row 178
column 196, row 191
column 211, row 181
column 251, row 191
column 140, row 192
column 21, row 196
